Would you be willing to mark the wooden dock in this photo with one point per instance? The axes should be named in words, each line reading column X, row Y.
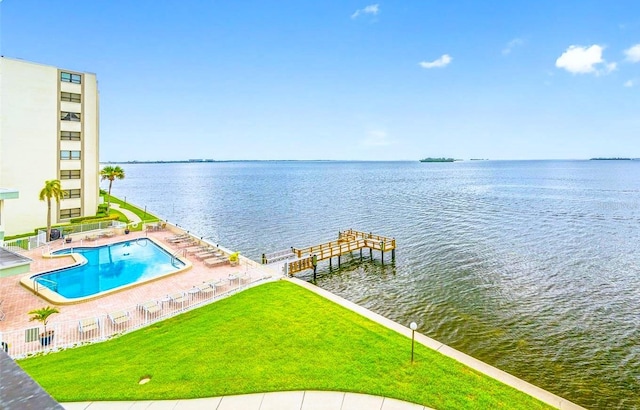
column 299, row 259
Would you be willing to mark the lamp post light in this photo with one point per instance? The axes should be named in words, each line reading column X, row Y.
column 413, row 326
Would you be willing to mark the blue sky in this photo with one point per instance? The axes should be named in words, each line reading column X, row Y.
column 347, row 80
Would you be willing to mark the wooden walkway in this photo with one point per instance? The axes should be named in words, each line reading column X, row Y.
column 349, row 241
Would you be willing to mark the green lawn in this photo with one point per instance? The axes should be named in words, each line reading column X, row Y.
column 144, row 216
column 277, row 336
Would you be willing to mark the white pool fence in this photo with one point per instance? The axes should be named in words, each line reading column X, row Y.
column 23, row 343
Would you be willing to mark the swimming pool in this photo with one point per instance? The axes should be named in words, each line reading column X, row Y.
column 109, row 267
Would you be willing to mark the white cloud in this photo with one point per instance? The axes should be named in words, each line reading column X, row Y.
column 516, row 42
column 630, row 83
column 370, row 9
column 585, row 60
column 609, row 67
column 633, row 53
column 441, row 62
column 376, row 138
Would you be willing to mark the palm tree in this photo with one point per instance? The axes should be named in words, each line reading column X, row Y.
column 42, row 315
column 51, row 191
column 111, row 173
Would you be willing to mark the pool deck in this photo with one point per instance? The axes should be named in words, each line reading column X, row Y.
column 18, row 301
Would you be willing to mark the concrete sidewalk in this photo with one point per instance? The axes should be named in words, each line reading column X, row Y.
column 293, row 400
column 133, row 218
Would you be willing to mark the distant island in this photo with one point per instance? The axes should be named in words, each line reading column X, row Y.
column 479, row 159
column 438, row 160
column 178, row 161
column 612, row 159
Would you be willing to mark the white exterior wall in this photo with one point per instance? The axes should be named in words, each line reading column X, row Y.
column 90, row 144
column 30, row 142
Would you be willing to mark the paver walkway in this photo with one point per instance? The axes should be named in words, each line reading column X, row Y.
column 294, row 400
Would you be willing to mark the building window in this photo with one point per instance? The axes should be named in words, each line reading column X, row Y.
column 69, row 154
column 70, row 135
column 70, row 174
column 71, row 193
column 70, row 78
column 69, row 213
column 69, row 116
column 71, row 97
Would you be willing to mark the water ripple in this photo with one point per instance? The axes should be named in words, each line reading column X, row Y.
column 530, row 266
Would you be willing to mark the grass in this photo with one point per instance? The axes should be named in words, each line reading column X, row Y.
column 146, row 217
column 121, row 217
column 274, row 337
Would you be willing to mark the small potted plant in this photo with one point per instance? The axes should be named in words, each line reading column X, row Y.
column 66, row 232
column 42, row 315
column 234, row 258
column 126, row 230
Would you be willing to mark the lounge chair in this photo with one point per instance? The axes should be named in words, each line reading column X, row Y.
column 179, row 241
column 88, row 325
column 217, row 283
column 187, row 243
column 204, row 288
column 177, row 238
column 177, row 297
column 119, row 317
column 182, row 238
column 244, row 278
column 208, row 254
column 196, row 249
column 150, row 306
column 217, row 261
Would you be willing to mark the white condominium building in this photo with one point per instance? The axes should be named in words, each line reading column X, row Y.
column 49, row 129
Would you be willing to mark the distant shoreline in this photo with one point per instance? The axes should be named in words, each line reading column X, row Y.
column 613, row 159
column 442, row 159
column 191, row 161
column 206, row 161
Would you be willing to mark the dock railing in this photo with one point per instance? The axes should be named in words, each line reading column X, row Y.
column 278, row 256
column 348, row 241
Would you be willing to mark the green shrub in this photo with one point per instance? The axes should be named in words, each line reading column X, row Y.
column 84, row 219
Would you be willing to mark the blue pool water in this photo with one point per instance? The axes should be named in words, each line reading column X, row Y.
column 109, row 267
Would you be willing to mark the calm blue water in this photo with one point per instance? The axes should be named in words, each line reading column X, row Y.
column 109, row 267
column 532, row 266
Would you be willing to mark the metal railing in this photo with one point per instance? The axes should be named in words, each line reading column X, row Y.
column 35, row 241
column 274, row 257
column 22, row 244
column 53, row 285
column 102, row 326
